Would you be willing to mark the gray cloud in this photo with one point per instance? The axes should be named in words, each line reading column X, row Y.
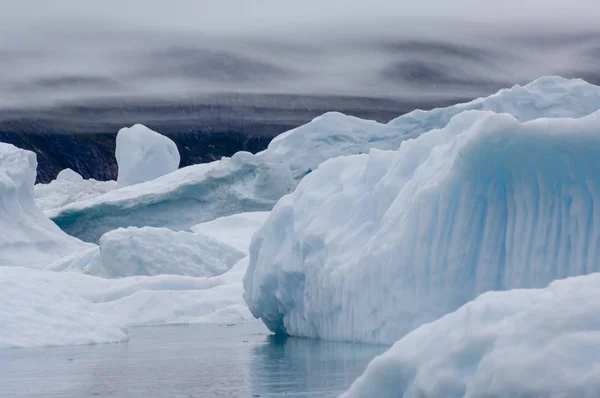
column 68, row 51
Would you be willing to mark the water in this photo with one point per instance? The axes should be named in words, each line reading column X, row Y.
column 242, row 360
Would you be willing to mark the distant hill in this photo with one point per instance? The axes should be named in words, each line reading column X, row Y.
column 83, row 137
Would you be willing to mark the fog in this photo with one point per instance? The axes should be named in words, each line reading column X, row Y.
column 71, row 52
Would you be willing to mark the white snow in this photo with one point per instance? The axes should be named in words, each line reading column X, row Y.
column 143, row 155
column 520, row 343
column 369, row 247
column 69, row 187
column 27, row 237
column 248, row 182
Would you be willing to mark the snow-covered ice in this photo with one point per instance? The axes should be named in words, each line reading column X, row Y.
column 143, row 155
column 69, row 187
column 249, row 182
column 519, row 343
column 27, row 237
column 369, row 247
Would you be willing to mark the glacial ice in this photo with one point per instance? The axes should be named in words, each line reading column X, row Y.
column 69, row 187
column 27, row 237
column 248, row 182
column 44, row 308
column 369, row 247
column 143, row 155
column 519, row 343
column 156, row 251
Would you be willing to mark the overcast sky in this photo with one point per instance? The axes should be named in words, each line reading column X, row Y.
column 74, row 50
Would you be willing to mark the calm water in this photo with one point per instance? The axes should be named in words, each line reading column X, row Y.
column 187, row 361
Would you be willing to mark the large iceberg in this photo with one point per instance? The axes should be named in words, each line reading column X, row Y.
column 143, row 155
column 249, row 182
column 69, row 187
column 520, row 343
column 369, row 247
column 27, row 237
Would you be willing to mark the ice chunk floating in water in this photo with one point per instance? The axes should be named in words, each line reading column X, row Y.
column 143, row 155
column 27, row 236
column 369, row 247
column 520, row 343
column 248, row 182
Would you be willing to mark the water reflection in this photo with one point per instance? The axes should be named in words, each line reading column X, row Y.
column 187, row 361
column 305, row 367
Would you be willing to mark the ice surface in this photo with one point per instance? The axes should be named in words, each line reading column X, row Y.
column 155, row 251
column 143, row 155
column 369, row 247
column 236, row 230
column 27, row 237
column 69, row 187
column 41, row 308
column 181, row 199
column 248, row 182
column 520, row 343
column 37, row 311
column 62, row 308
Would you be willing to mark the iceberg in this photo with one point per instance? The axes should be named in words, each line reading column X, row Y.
column 28, row 237
column 47, row 308
column 143, row 155
column 369, row 247
column 248, row 183
column 519, row 343
column 156, row 251
column 69, row 187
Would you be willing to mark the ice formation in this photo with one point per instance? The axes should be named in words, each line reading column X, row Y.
column 369, row 247
column 248, row 182
column 155, row 251
column 143, row 155
column 62, row 308
column 520, row 343
column 27, row 238
column 45, row 308
column 181, row 199
column 69, row 187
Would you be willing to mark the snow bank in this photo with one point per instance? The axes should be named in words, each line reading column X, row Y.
column 369, row 247
column 520, row 343
column 155, row 251
column 69, row 187
column 248, row 182
column 27, row 237
column 143, row 155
